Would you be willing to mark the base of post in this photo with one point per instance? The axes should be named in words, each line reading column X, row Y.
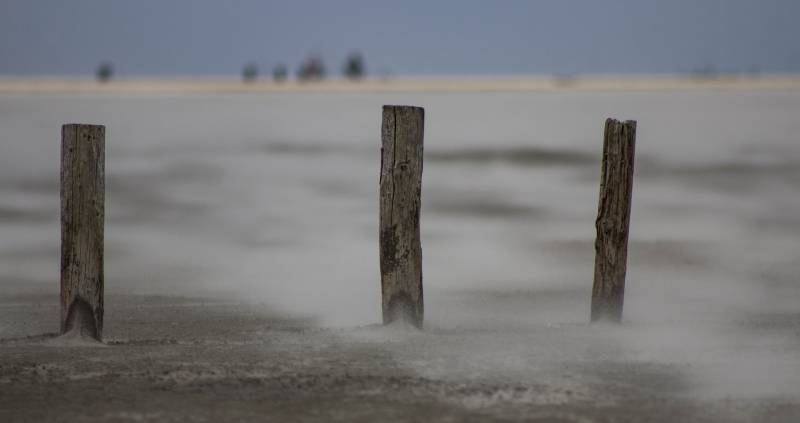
column 604, row 310
column 403, row 309
column 80, row 321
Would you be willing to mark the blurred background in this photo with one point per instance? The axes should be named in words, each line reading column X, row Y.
column 516, row 37
column 257, row 180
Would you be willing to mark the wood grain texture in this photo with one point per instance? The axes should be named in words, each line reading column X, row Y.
column 82, row 216
column 613, row 218
column 402, row 134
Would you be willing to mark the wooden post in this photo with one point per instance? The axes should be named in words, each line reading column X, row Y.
column 400, row 186
column 82, row 215
column 613, row 217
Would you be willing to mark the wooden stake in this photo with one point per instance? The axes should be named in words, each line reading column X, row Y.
column 82, row 215
column 400, row 186
column 613, row 218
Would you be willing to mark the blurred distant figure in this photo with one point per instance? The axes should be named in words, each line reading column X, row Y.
column 104, row 72
column 250, row 72
column 564, row 79
column 279, row 73
column 705, row 72
column 312, row 69
column 354, row 66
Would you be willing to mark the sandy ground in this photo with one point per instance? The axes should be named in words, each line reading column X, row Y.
column 217, row 203
column 192, row 359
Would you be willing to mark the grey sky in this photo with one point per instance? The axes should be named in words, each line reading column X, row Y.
column 411, row 37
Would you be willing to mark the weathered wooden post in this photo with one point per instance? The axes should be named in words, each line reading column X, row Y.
column 400, row 187
column 613, row 217
column 82, row 214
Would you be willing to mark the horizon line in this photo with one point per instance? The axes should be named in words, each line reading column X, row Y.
column 458, row 83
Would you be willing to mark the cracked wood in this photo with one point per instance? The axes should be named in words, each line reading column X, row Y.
column 613, row 218
column 82, row 215
column 399, row 235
